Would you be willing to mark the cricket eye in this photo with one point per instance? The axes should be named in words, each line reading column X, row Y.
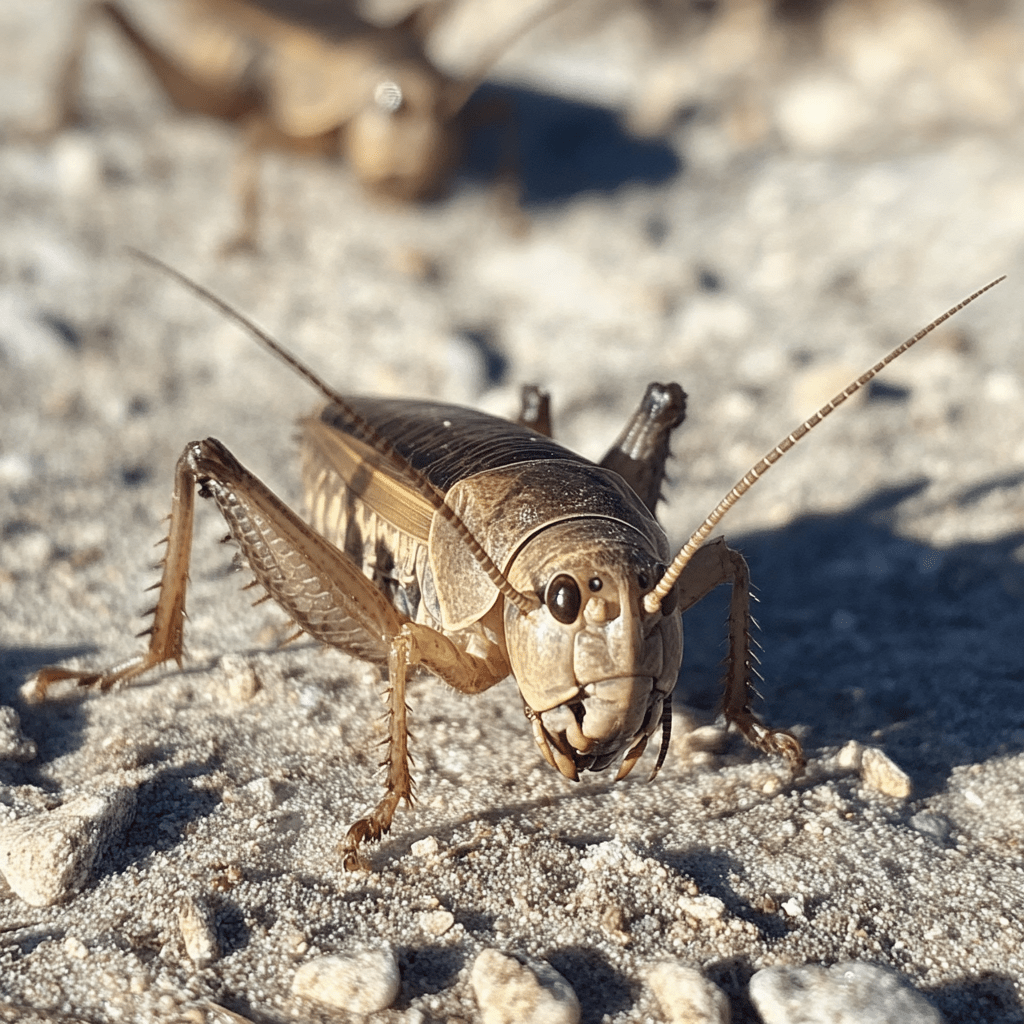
column 388, row 96
column 563, row 598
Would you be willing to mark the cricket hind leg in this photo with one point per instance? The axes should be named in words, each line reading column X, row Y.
column 322, row 590
column 714, row 564
column 167, row 633
column 641, row 451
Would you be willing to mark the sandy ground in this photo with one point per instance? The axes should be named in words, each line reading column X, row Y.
column 761, row 268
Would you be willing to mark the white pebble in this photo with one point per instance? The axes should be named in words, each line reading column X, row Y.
column 850, row 755
column 45, row 857
column 794, row 906
column 15, row 470
column 197, row 933
column 436, row 922
column 363, row 982
column 240, row 679
column 880, row 772
column 426, row 847
column 14, row 745
column 703, row 908
column 820, row 113
column 509, row 993
column 850, row 993
column 686, row 996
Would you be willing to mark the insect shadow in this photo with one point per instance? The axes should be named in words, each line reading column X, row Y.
column 565, row 148
column 872, row 636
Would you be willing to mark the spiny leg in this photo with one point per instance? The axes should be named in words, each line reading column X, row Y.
column 321, row 588
column 714, row 564
column 398, row 780
column 640, row 452
column 535, row 409
column 167, row 633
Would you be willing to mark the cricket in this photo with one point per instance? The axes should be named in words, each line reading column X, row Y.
column 314, row 79
column 445, row 539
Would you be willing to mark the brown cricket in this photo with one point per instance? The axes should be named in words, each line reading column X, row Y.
column 444, row 538
column 311, row 77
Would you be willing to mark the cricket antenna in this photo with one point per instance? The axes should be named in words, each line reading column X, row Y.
column 524, row 602
column 652, row 601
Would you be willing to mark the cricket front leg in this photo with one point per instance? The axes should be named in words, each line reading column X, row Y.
column 398, row 779
column 712, row 565
column 640, row 452
column 415, row 645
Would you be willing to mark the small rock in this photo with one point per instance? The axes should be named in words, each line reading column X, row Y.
column 880, row 772
column 425, row 847
column 198, row 933
column 240, row 678
column 686, row 996
column 704, row 908
column 259, row 794
column 510, row 993
column 794, row 907
column 930, row 824
column 46, row 857
column 821, row 113
column 14, row 745
column 850, row 755
column 363, row 982
column 850, row 993
column 436, row 922
column 614, row 922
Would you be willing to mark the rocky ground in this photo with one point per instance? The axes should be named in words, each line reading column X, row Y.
column 755, row 200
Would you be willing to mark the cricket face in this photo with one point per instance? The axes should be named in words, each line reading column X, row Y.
column 594, row 668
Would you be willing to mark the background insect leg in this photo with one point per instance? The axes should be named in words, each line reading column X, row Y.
column 714, row 564
column 640, row 452
column 185, row 91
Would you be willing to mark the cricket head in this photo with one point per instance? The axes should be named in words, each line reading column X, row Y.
column 594, row 668
column 403, row 142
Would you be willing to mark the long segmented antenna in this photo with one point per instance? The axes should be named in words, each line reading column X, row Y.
column 652, row 601
column 366, row 432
